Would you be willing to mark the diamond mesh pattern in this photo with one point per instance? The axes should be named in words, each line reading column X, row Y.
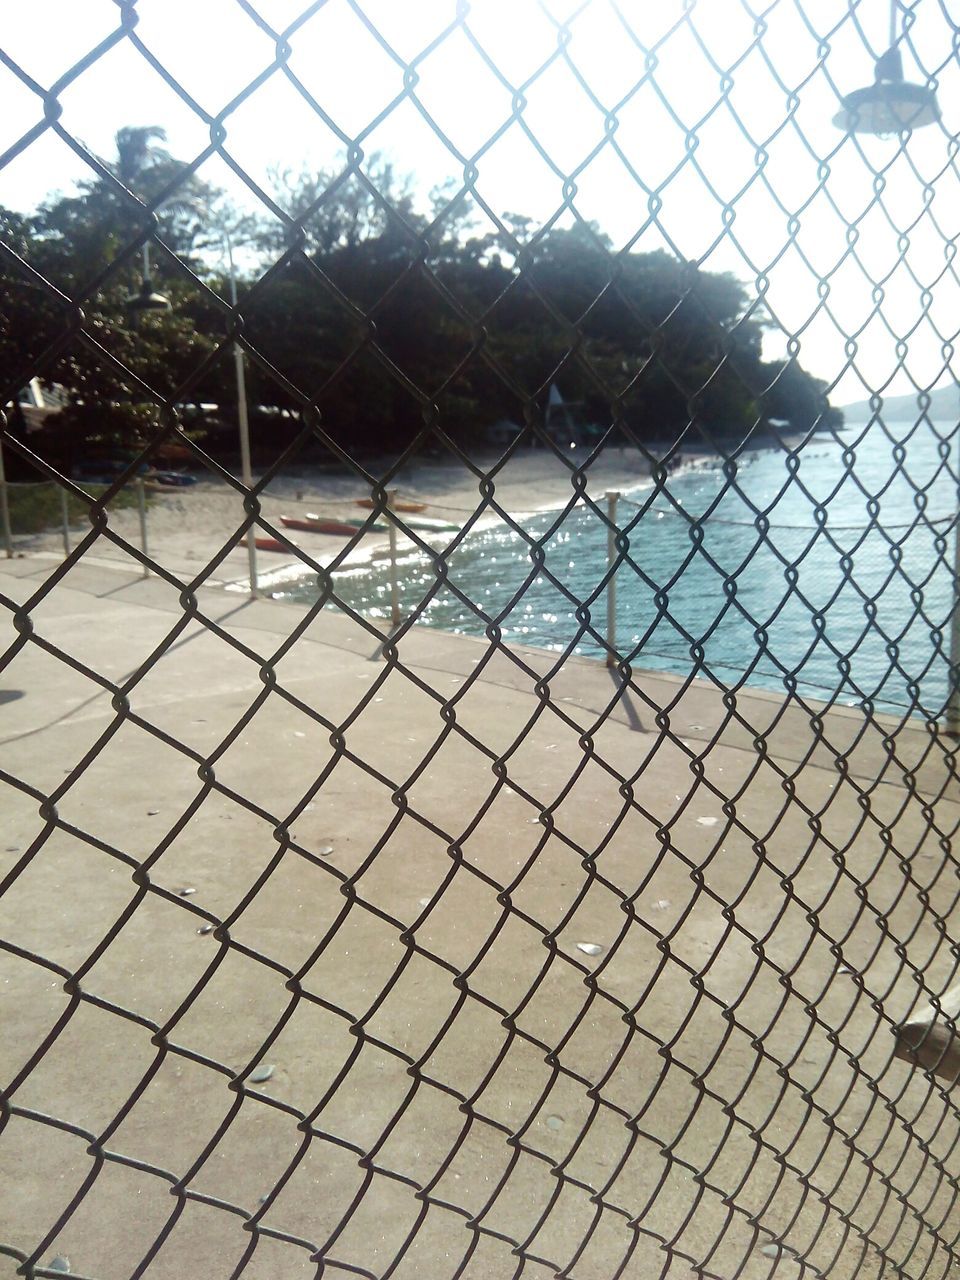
column 513, row 962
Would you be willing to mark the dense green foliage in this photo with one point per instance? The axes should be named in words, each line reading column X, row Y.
column 381, row 314
column 35, row 507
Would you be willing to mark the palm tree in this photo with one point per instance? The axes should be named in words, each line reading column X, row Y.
column 145, row 167
column 139, row 158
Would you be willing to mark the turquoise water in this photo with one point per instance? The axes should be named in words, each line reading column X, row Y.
column 848, row 600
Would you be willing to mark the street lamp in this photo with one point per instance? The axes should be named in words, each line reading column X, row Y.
column 148, row 300
column 890, row 105
column 243, row 422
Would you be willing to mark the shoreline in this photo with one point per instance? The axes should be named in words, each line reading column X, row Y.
column 188, row 529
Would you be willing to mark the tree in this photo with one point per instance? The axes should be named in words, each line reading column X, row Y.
column 796, row 398
column 380, row 311
column 71, row 241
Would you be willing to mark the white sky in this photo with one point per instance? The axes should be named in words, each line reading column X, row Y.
column 812, row 182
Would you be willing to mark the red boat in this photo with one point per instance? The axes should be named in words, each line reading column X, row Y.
column 269, row 544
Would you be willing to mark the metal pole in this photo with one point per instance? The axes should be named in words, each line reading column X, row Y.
column 142, row 504
column 394, row 584
column 65, row 511
column 952, row 725
column 5, row 509
column 612, row 497
column 246, row 473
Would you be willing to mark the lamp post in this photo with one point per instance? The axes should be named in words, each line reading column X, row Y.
column 243, row 421
column 148, row 300
column 892, row 105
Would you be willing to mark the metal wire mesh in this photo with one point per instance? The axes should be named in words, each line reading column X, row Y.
column 503, row 963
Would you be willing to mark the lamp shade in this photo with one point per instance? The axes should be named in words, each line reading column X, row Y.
column 146, row 299
column 889, row 105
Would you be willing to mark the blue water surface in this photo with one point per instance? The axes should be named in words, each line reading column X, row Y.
column 845, row 594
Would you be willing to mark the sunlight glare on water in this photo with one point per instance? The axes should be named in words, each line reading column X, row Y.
column 848, row 593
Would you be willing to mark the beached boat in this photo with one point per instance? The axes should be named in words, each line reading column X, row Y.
column 313, row 523
column 269, row 544
column 167, row 481
column 430, row 524
column 397, row 506
column 172, row 479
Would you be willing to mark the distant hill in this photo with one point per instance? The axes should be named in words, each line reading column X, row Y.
column 944, row 405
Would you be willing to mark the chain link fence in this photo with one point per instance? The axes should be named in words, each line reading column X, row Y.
column 557, row 876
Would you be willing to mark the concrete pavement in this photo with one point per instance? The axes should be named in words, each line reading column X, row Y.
column 724, row 1074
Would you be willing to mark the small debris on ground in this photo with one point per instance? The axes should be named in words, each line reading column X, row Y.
column 774, row 1249
column 554, row 1122
column 205, row 928
column 708, row 822
column 590, row 948
column 59, row 1263
column 185, row 892
column 262, row 1073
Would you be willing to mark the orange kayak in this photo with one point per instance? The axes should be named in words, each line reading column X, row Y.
column 368, row 503
column 324, row 524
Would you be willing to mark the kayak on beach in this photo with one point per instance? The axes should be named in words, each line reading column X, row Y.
column 397, row 506
column 314, row 523
column 269, row 544
column 430, row 524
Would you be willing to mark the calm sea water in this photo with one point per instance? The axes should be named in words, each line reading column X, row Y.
column 848, row 593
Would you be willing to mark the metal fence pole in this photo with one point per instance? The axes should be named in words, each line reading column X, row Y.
column 245, row 469
column 142, row 504
column 612, row 497
column 65, row 513
column 243, row 420
column 5, row 509
column 952, row 725
column 394, row 584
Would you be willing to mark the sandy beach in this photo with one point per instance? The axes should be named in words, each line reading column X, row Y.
column 187, row 529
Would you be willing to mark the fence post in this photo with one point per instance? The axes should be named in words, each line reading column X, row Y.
column 952, row 725
column 5, row 509
column 142, row 504
column 394, row 584
column 612, row 497
column 65, row 513
column 243, row 420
